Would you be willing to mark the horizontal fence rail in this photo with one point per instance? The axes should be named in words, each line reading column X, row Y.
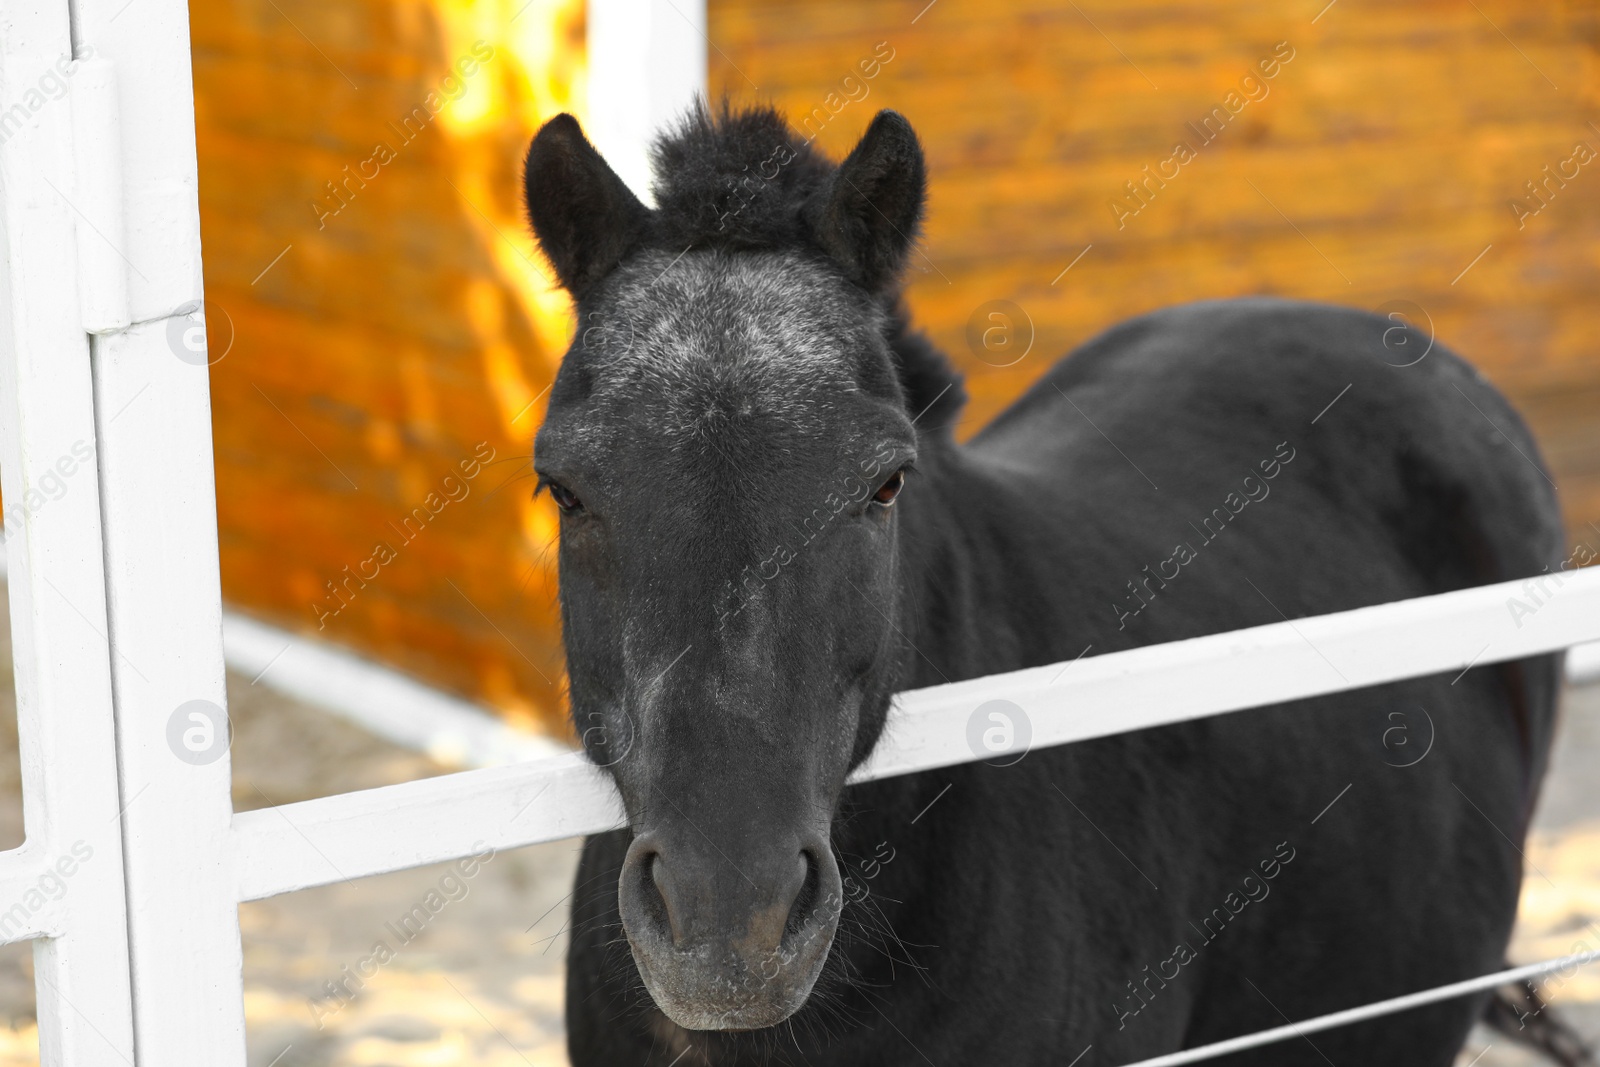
column 391, row 828
column 1255, row 667
column 334, row 839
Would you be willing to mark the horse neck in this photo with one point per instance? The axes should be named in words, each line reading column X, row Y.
column 957, row 621
column 968, row 570
column 963, row 548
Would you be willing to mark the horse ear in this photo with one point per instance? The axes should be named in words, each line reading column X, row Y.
column 585, row 217
column 866, row 217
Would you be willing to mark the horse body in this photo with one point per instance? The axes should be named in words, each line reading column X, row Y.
column 1196, row 470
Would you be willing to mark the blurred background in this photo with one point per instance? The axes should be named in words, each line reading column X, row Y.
column 385, row 314
column 383, row 332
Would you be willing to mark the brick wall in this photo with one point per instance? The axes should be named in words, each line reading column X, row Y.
column 1378, row 161
column 390, row 329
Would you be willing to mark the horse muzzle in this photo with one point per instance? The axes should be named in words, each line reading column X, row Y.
column 729, row 938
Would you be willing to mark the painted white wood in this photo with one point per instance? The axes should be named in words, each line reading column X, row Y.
column 165, row 616
column 149, row 46
column 160, row 528
column 166, row 625
column 647, row 63
column 1583, row 664
column 1249, row 668
column 337, row 838
column 57, row 593
column 372, row 831
column 97, row 192
column 25, row 870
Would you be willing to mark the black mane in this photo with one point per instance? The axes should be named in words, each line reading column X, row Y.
column 734, row 179
column 740, row 179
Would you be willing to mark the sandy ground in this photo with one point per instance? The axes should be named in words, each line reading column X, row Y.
column 481, row 983
column 1560, row 909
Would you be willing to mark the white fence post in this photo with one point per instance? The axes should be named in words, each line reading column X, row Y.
column 647, row 62
column 153, row 416
column 73, row 850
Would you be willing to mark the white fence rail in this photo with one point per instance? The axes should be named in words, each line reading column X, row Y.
column 116, row 610
column 437, row 819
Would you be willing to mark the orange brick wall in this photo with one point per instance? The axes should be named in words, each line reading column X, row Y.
column 390, row 330
column 1374, row 166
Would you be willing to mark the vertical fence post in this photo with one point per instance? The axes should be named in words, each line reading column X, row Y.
column 647, row 62
column 54, row 559
column 158, row 502
column 172, row 730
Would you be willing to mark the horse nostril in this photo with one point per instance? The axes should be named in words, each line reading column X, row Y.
column 805, row 900
column 646, row 894
column 802, row 913
column 654, row 899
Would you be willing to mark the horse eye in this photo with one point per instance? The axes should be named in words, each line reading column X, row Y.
column 565, row 498
column 890, row 489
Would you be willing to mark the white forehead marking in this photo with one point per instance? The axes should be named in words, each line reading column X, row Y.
column 759, row 331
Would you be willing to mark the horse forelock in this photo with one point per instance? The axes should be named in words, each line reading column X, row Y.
column 734, row 179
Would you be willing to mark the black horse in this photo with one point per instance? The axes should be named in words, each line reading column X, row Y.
column 768, row 529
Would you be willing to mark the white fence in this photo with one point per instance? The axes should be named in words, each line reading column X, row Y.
column 116, row 609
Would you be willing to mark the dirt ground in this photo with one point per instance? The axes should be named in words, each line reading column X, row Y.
column 482, row 983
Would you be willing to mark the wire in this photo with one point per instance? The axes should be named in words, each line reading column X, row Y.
column 1368, row 1011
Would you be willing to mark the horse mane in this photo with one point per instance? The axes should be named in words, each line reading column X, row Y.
column 737, row 179
column 734, row 179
